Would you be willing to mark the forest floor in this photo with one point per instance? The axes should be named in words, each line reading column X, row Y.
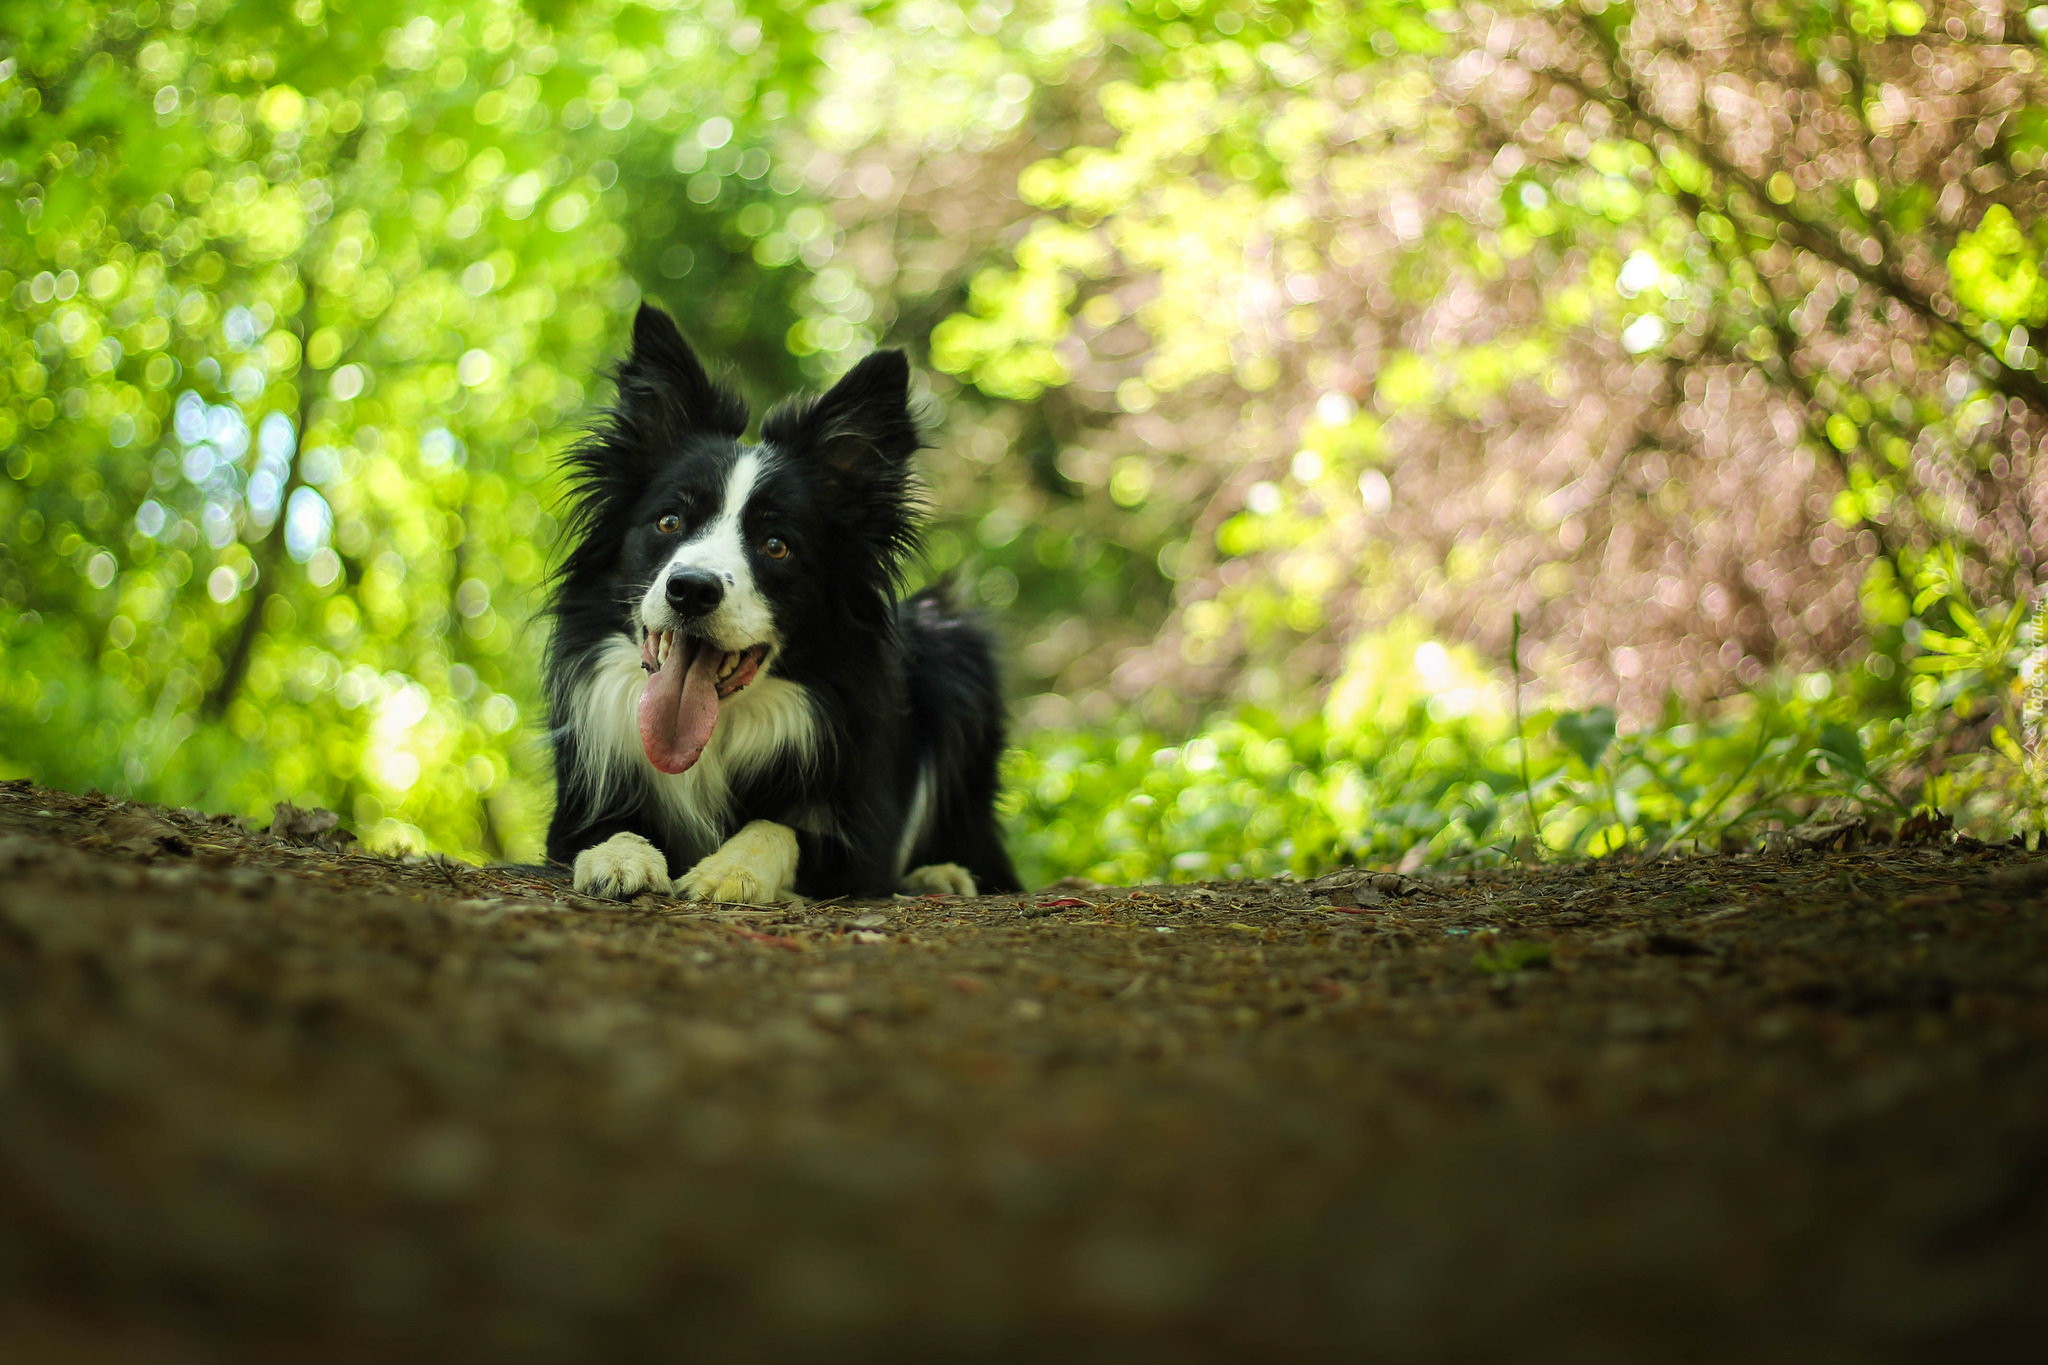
column 263, row 1096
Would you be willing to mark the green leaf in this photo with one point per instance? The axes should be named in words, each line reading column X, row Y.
column 1516, row 955
column 1968, row 622
column 1997, row 270
column 1935, row 642
column 1942, row 664
column 1842, row 743
column 1587, row 733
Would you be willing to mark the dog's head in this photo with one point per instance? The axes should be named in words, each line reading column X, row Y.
column 717, row 549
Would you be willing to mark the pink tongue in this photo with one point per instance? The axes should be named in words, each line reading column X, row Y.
column 680, row 706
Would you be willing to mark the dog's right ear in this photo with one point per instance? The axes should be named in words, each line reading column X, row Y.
column 859, row 431
column 665, row 393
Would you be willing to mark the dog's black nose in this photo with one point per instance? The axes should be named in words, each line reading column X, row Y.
column 694, row 592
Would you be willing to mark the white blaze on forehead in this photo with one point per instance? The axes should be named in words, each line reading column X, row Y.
column 720, row 547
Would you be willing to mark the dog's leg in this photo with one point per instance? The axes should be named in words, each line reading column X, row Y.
column 621, row 866
column 939, row 879
column 757, row 866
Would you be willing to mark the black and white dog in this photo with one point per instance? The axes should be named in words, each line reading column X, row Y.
column 741, row 706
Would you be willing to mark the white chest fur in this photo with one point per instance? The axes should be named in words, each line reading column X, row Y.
column 772, row 719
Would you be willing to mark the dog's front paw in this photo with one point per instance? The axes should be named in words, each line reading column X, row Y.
column 939, row 879
column 623, row 865
column 757, row 866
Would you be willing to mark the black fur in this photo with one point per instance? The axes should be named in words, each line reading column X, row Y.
column 895, row 686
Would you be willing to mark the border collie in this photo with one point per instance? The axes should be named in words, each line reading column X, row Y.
column 741, row 705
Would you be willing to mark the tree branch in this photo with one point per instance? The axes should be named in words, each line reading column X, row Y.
column 1786, row 343
column 268, row 550
column 1810, row 236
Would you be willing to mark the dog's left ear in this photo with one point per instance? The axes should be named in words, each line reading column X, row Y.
column 863, row 424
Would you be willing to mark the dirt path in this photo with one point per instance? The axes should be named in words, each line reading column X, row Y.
column 273, row 1101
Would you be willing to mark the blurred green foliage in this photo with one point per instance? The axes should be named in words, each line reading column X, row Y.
column 1418, row 761
column 301, row 300
column 1886, row 309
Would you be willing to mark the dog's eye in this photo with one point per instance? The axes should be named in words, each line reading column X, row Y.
column 669, row 524
column 775, row 548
